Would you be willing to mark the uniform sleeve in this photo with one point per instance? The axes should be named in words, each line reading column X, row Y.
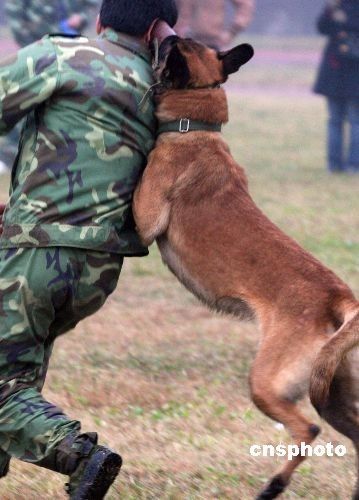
column 27, row 79
column 25, row 24
column 243, row 15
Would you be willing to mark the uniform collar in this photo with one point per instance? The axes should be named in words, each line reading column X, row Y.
column 131, row 43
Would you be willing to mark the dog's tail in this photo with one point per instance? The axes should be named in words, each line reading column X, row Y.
column 329, row 359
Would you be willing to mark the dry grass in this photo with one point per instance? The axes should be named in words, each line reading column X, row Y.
column 163, row 380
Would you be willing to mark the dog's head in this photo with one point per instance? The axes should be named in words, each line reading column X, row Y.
column 186, row 64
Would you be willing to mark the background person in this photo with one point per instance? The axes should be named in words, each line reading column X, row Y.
column 338, row 80
column 30, row 20
column 214, row 23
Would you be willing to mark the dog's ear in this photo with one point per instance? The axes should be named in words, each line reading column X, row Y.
column 235, row 58
column 176, row 70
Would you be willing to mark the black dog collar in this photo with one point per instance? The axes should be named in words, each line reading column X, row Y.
column 185, row 125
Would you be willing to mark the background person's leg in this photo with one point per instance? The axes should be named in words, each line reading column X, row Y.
column 335, row 145
column 353, row 117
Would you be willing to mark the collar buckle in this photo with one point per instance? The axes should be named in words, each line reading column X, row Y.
column 184, row 125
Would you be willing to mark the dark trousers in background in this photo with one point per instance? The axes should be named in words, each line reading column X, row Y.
column 343, row 157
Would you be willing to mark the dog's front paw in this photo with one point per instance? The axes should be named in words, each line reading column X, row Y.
column 274, row 488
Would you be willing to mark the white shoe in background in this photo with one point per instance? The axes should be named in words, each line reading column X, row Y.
column 3, row 168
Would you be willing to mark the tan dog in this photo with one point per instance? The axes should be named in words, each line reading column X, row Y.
column 193, row 199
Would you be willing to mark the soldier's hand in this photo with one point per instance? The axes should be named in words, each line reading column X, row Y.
column 339, row 16
column 2, row 208
column 75, row 21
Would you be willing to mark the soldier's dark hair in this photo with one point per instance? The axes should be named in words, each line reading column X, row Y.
column 134, row 17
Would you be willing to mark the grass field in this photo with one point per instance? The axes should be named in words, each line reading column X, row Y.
column 162, row 379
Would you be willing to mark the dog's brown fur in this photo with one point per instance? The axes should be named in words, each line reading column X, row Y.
column 194, row 200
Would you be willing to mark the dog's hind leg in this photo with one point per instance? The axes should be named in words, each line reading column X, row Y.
column 342, row 408
column 279, row 379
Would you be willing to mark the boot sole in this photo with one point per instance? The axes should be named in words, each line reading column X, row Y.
column 98, row 476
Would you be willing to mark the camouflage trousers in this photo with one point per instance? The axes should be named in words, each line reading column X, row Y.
column 44, row 292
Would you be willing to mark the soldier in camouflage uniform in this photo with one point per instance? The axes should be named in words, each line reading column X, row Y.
column 68, row 223
column 29, row 21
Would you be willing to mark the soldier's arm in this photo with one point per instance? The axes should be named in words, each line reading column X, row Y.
column 27, row 79
column 243, row 15
column 26, row 25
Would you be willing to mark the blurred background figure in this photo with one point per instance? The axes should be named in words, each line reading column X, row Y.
column 338, row 80
column 215, row 23
column 30, row 20
column 283, row 17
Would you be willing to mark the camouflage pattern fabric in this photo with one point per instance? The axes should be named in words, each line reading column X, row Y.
column 43, row 294
column 30, row 20
column 85, row 142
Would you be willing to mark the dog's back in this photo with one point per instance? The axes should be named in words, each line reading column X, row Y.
column 214, row 237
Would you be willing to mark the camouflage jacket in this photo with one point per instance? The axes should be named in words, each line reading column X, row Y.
column 30, row 20
column 84, row 144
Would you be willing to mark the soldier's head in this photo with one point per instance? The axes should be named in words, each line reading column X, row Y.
column 135, row 17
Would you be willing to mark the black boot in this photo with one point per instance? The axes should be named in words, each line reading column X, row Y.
column 4, row 463
column 92, row 468
column 94, row 475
